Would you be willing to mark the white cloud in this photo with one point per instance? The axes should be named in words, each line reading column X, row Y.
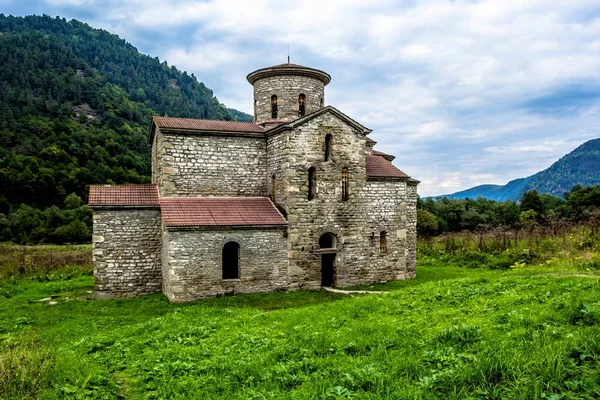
column 463, row 92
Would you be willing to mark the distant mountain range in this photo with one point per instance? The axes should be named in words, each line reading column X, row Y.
column 579, row 167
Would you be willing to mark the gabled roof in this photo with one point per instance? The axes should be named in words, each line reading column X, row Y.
column 144, row 195
column 379, row 167
column 205, row 126
column 311, row 116
column 219, row 211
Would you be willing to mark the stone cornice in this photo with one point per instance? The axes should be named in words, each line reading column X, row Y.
column 253, row 135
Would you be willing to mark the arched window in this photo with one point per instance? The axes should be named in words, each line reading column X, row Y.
column 231, row 260
column 327, row 241
column 328, row 138
column 382, row 242
column 312, row 183
column 344, row 184
column 301, row 105
column 274, row 106
column 321, row 103
column 273, row 187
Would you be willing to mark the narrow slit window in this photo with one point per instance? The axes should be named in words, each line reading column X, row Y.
column 301, row 105
column 344, row 184
column 328, row 138
column 382, row 242
column 274, row 109
column 321, row 103
column 231, row 260
column 312, row 183
column 273, row 187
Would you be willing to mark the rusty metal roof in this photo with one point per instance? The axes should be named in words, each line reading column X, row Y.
column 288, row 69
column 219, row 211
column 206, row 125
column 379, row 167
column 145, row 195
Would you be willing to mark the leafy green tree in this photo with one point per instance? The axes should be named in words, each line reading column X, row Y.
column 531, row 201
column 73, row 201
column 427, row 224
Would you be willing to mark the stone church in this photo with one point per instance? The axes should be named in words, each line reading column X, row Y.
column 296, row 199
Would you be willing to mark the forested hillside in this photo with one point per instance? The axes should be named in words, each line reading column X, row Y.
column 75, row 106
column 579, row 167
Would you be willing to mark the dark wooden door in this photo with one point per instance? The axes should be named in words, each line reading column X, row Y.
column 327, row 269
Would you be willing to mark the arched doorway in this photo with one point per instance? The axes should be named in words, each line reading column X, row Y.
column 328, row 250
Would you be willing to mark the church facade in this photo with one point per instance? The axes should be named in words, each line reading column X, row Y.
column 298, row 198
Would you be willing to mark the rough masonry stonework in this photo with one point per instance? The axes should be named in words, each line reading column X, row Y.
column 301, row 200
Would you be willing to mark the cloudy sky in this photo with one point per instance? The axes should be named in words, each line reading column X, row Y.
column 463, row 92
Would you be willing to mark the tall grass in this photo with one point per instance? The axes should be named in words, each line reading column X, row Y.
column 508, row 248
column 44, row 261
column 25, row 368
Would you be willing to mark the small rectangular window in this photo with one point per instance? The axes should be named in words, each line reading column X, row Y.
column 383, row 242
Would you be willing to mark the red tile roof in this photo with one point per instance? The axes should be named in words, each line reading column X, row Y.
column 124, row 195
column 219, row 211
column 206, row 125
column 379, row 167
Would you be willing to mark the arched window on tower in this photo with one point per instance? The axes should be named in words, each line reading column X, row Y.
column 345, row 184
column 321, row 103
column 274, row 109
column 231, row 260
column 301, row 105
column 312, row 183
column 328, row 138
column 382, row 242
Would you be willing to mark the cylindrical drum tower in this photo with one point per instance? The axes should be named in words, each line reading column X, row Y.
column 286, row 92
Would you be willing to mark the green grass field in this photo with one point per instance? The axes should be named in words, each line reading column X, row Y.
column 522, row 333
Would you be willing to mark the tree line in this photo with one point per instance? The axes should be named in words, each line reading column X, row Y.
column 441, row 215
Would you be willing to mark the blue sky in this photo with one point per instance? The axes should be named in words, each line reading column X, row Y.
column 462, row 92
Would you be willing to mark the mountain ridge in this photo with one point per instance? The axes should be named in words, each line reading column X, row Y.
column 579, row 167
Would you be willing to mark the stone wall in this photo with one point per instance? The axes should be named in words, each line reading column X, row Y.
column 309, row 219
column 203, row 165
column 411, row 228
column 275, row 171
column 193, row 262
column 388, row 209
column 287, row 88
column 126, row 252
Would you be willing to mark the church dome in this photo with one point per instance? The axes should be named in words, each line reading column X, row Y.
column 287, row 91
